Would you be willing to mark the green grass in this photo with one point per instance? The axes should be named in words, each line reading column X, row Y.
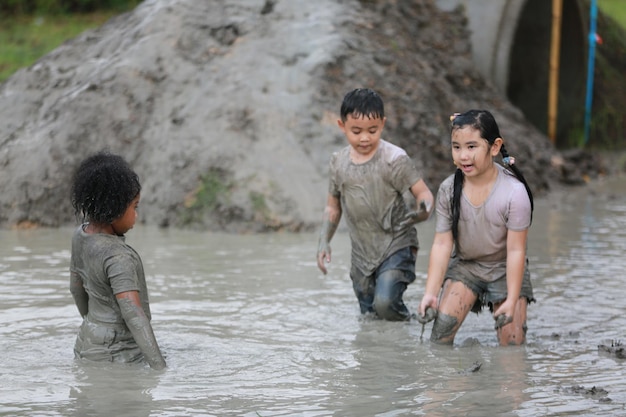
column 616, row 9
column 25, row 39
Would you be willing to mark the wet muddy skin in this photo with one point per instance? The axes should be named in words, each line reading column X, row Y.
column 429, row 316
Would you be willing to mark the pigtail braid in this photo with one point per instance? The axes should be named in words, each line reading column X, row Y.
column 455, row 204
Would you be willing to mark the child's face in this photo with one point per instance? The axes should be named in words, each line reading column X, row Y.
column 363, row 133
column 471, row 153
column 123, row 224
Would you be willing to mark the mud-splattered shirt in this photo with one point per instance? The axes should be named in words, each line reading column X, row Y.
column 372, row 196
column 107, row 266
column 483, row 229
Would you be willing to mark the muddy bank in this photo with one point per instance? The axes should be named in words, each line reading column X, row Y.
column 227, row 109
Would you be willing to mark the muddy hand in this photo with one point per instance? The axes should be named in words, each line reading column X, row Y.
column 428, row 316
column 502, row 320
column 414, row 217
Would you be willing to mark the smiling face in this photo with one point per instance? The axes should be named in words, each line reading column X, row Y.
column 471, row 153
column 363, row 134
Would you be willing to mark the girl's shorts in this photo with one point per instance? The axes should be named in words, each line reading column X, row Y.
column 488, row 292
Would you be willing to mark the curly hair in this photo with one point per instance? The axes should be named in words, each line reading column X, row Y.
column 103, row 187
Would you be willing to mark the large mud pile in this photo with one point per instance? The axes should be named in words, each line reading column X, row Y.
column 227, row 109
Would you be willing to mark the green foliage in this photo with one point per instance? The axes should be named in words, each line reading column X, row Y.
column 608, row 129
column 19, row 7
column 30, row 29
column 258, row 203
column 211, row 191
column 26, row 38
column 608, row 122
column 614, row 8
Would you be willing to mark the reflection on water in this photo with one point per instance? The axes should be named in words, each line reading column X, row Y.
column 106, row 389
column 251, row 328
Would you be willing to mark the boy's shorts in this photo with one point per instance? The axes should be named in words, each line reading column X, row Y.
column 488, row 292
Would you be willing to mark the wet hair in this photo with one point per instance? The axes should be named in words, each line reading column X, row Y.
column 103, row 187
column 362, row 102
column 485, row 123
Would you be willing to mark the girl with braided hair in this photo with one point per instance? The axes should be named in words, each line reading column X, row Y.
column 478, row 255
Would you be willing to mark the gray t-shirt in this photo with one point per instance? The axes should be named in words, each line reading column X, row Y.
column 483, row 229
column 107, row 266
column 372, row 197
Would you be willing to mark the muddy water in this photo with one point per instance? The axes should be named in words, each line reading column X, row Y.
column 250, row 328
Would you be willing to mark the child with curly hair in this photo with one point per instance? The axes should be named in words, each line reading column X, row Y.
column 107, row 279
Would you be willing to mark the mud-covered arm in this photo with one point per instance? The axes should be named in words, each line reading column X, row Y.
column 330, row 221
column 423, row 207
column 424, row 199
column 515, row 264
column 81, row 298
column 140, row 327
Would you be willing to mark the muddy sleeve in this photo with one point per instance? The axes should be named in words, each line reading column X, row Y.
column 442, row 207
column 139, row 325
column 121, row 271
column 333, row 182
column 404, row 174
column 81, row 298
column 519, row 209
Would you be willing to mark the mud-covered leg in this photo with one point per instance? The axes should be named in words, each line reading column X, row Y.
column 390, row 286
column 455, row 303
column 514, row 333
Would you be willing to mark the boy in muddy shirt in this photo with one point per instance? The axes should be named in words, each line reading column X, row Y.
column 371, row 181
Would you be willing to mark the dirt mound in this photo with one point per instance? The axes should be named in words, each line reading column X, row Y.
column 227, row 109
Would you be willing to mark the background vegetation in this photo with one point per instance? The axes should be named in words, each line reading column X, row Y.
column 15, row 7
column 30, row 29
column 608, row 120
column 614, row 8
